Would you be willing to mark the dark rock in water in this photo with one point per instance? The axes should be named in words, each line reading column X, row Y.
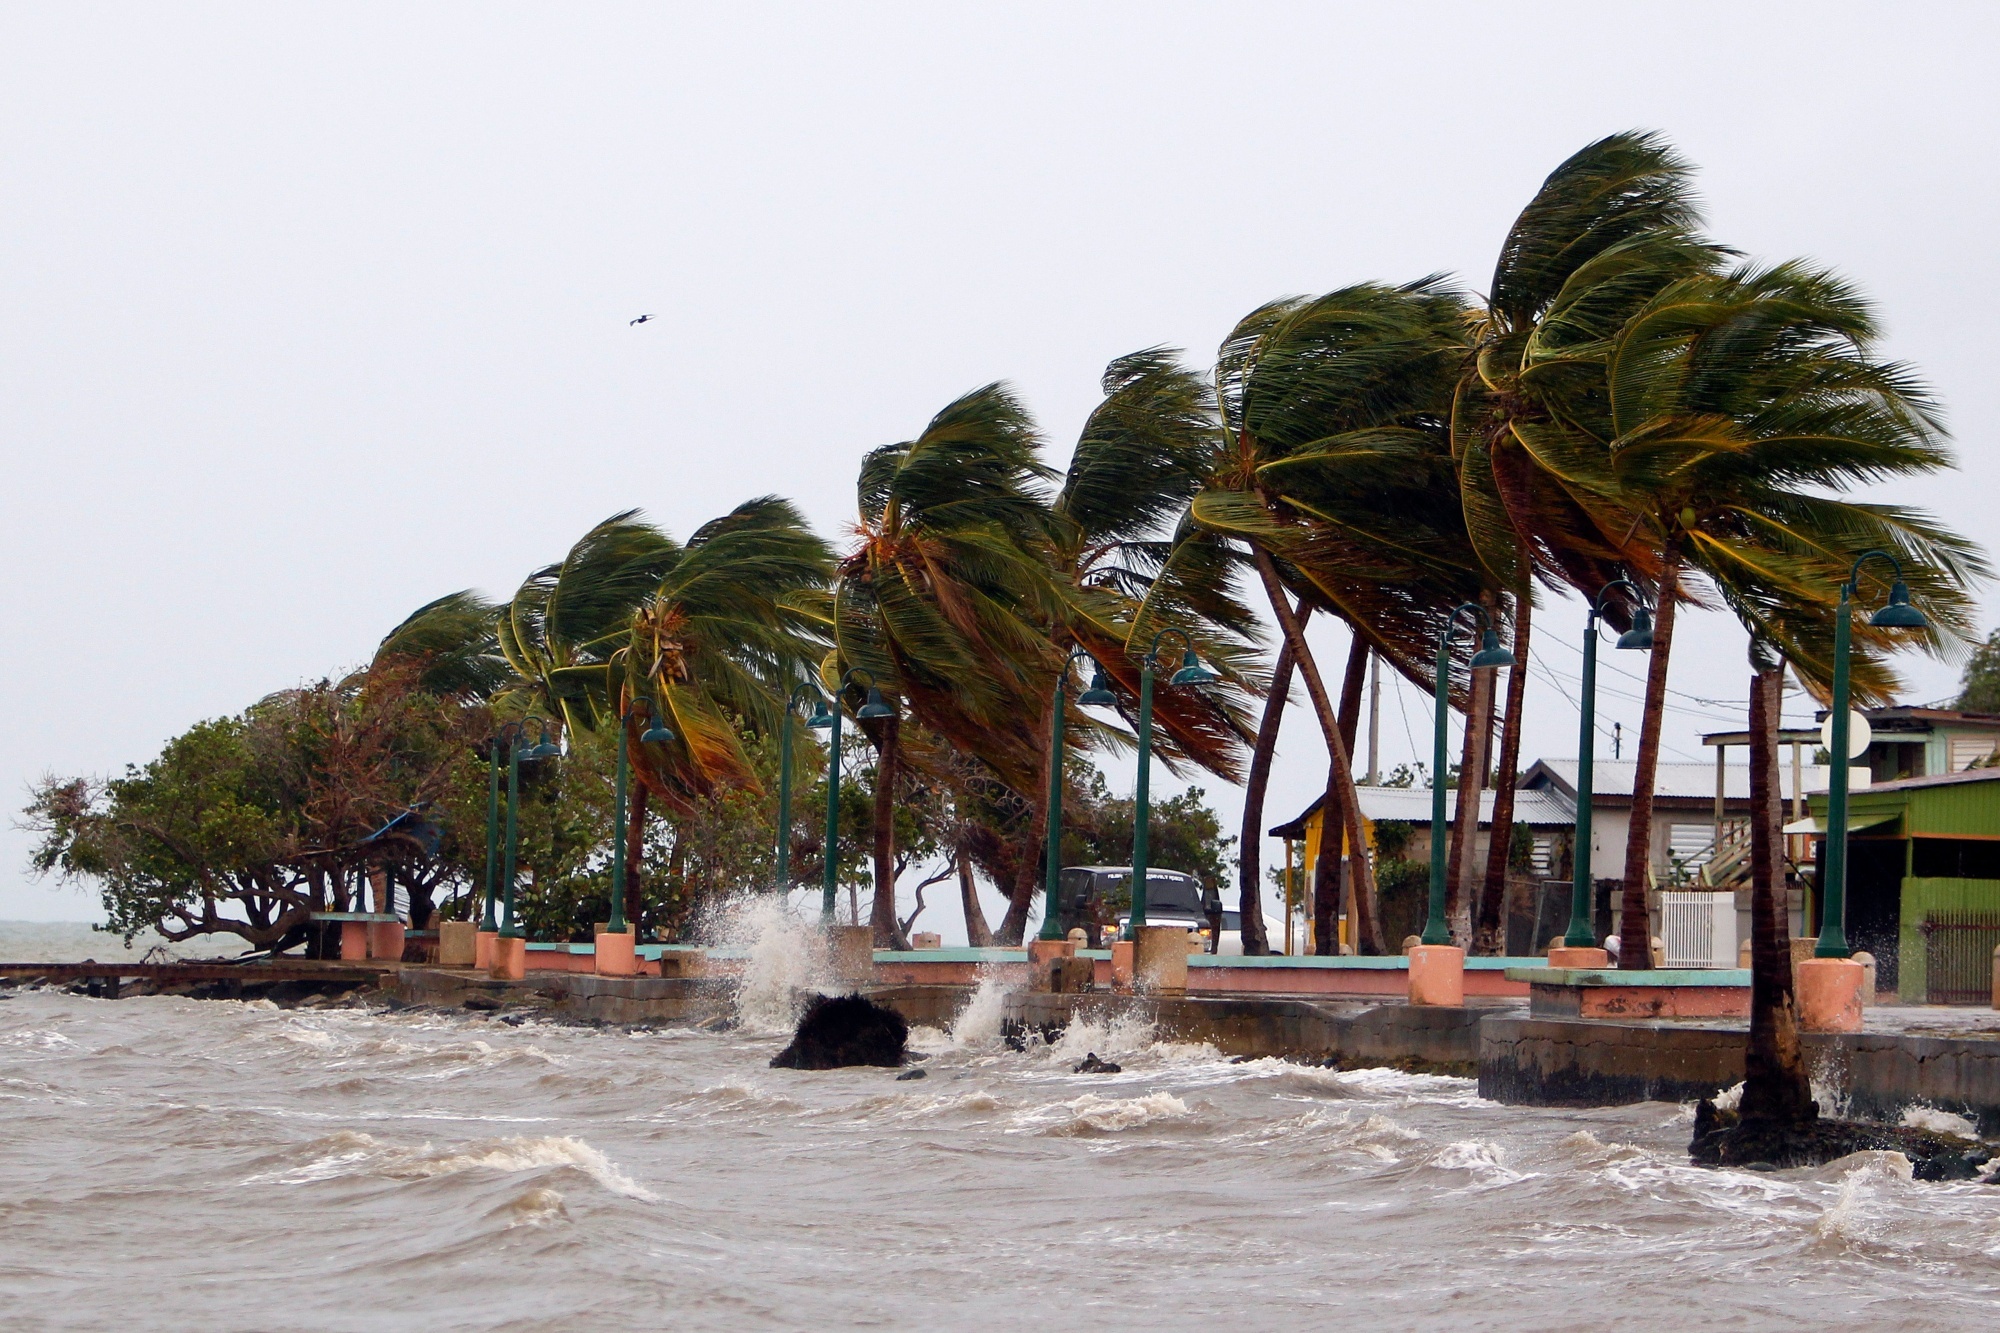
column 841, row 1030
column 482, row 1002
column 909, row 1074
column 1723, row 1138
column 1092, row 1065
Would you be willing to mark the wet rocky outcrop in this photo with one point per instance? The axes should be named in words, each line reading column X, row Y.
column 1094, row 1064
column 841, row 1030
column 1723, row 1138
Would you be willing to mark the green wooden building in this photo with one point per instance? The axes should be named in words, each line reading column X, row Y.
column 1923, row 882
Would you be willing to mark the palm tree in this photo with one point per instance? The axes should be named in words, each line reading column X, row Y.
column 451, row 645
column 736, row 619
column 1129, row 565
column 1739, row 405
column 945, row 599
column 562, row 626
column 1338, row 482
column 1607, row 229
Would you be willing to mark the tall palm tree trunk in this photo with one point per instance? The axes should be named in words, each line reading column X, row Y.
column 977, row 933
column 1775, row 1084
column 1329, row 724
column 1250, row 893
column 1489, row 934
column 635, row 850
column 1326, row 882
column 1465, row 823
column 882, row 913
column 1635, row 931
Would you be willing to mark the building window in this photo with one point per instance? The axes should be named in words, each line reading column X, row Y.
column 1955, row 858
column 1965, row 751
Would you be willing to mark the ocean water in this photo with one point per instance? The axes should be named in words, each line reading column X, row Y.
column 75, row 941
column 173, row 1164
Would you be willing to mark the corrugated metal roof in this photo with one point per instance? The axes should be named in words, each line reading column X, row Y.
column 1682, row 781
column 1544, row 808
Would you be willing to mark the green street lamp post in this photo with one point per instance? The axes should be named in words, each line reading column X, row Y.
column 1489, row 656
column 1098, row 694
column 1898, row 614
column 1192, row 672
column 510, row 926
column 824, row 717
column 656, row 734
column 1581, row 934
column 784, row 876
column 487, row 924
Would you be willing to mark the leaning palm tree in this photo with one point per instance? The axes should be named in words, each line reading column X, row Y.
column 1740, row 405
column 1605, row 232
column 944, row 600
column 1338, row 484
column 1128, row 566
column 736, row 620
column 451, row 646
column 561, row 627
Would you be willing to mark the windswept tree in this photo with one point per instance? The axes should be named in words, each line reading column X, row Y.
column 736, row 620
column 1129, row 565
column 945, row 598
column 561, row 627
column 1337, row 483
column 1740, row 406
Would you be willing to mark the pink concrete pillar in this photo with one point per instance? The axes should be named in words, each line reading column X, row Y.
column 1122, row 970
column 1437, row 974
column 1042, row 951
column 617, row 954
column 482, row 949
column 353, row 941
column 510, row 959
column 1829, row 994
column 1564, row 956
column 385, row 940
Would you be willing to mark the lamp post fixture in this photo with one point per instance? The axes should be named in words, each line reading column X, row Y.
column 784, row 876
column 656, row 734
column 1581, row 934
column 510, row 927
column 824, row 718
column 1898, row 614
column 487, row 924
column 1192, row 672
column 1099, row 694
column 1489, row 656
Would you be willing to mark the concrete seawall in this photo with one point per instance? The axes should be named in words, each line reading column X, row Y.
column 1518, row 1059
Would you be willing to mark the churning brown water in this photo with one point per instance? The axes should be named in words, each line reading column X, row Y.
column 170, row 1163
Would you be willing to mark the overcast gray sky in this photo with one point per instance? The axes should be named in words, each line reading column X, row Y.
column 309, row 314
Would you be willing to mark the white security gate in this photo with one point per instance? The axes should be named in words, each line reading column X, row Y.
column 1699, row 929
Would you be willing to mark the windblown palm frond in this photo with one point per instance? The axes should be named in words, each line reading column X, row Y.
column 452, row 645
column 721, row 642
column 564, row 623
column 1744, row 403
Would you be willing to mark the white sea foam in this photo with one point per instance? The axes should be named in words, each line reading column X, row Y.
column 1092, row 1114
column 349, row 1153
column 977, row 1025
column 1939, row 1122
column 1850, row 1216
column 785, row 960
column 1485, row 1162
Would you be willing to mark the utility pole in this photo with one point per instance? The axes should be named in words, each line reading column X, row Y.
column 1617, row 740
column 1374, row 718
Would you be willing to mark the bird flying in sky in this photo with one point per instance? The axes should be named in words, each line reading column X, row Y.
column 642, row 319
